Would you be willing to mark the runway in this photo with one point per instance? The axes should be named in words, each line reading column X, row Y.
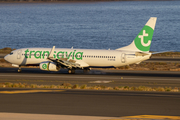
column 92, row 103
column 105, row 77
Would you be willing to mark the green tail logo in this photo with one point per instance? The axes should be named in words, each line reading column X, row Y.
column 143, row 39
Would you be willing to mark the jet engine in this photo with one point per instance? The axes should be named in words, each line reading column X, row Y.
column 49, row 66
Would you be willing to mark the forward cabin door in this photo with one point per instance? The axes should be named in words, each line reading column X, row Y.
column 123, row 58
column 19, row 54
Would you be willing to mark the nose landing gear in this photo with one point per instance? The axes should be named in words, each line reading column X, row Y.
column 19, row 70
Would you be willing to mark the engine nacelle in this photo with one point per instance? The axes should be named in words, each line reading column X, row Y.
column 49, row 66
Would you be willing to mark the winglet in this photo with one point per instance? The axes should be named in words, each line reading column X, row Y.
column 51, row 52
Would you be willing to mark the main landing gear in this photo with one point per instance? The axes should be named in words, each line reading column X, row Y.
column 71, row 71
column 86, row 70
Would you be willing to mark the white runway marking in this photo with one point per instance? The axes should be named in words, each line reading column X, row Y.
column 84, row 77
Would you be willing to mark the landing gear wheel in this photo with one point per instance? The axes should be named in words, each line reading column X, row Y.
column 86, row 70
column 71, row 71
column 19, row 70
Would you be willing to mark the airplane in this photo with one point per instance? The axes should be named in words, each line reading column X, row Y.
column 53, row 59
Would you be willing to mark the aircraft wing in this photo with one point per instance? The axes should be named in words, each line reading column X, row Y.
column 64, row 62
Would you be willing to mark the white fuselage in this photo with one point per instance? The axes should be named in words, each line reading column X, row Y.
column 91, row 57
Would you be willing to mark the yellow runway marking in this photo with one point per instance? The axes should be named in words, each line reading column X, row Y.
column 148, row 117
column 29, row 91
column 155, row 117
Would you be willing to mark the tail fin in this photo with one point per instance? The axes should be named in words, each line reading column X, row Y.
column 142, row 42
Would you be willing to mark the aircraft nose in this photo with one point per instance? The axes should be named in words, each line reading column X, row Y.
column 6, row 58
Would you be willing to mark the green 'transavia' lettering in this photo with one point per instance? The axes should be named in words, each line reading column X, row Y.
column 26, row 53
column 38, row 56
column 60, row 54
column 44, row 53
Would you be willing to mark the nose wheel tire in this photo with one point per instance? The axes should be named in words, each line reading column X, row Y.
column 19, row 70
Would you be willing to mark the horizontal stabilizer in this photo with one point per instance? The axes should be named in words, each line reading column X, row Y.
column 141, row 53
column 160, row 52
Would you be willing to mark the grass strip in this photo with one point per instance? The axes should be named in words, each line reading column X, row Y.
column 96, row 87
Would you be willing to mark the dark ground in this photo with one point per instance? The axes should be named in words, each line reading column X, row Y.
column 92, row 103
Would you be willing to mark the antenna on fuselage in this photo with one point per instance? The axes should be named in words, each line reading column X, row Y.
column 72, row 47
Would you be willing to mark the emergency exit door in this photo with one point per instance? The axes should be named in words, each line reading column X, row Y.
column 123, row 57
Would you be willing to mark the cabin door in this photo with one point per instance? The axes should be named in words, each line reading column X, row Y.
column 19, row 54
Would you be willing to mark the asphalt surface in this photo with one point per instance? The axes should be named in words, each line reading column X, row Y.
column 95, row 77
column 92, row 103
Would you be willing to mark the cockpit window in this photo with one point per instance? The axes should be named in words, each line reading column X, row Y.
column 11, row 53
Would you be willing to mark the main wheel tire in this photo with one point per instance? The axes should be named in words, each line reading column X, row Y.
column 71, row 71
column 86, row 70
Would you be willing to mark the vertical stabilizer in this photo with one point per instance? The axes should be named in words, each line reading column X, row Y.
column 142, row 42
